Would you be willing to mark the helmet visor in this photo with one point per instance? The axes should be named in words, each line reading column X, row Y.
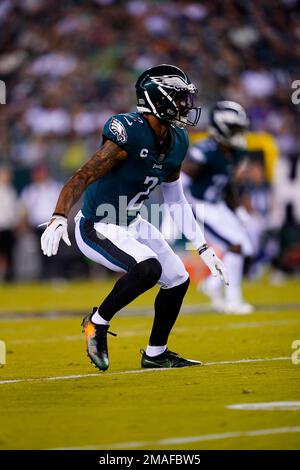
column 187, row 113
column 236, row 129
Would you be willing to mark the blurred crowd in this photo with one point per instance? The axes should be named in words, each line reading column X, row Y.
column 69, row 65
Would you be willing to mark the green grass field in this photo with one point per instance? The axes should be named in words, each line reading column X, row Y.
column 44, row 406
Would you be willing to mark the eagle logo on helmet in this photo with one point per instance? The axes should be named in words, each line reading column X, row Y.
column 174, row 82
column 118, row 129
column 228, row 123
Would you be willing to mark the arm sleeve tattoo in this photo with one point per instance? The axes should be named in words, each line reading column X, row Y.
column 100, row 164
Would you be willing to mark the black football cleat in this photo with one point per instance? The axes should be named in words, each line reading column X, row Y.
column 166, row 360
column 96, row 341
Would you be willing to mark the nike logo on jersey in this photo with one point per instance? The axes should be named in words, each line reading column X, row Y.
column 128, row 122
column 157, row 166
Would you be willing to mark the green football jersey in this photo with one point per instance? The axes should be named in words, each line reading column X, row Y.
column 119, row 195
column 216, row 172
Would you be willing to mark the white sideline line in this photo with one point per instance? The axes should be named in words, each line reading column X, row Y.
column 267, row 406
column 189, row 439
column 244, row 361
column 136, row 371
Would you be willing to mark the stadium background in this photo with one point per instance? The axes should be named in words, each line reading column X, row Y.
column 67, row 67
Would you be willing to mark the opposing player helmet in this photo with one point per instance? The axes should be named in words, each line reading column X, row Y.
column 228, row 123
column 167, row 92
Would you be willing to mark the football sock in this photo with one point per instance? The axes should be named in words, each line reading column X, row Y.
column 153, row 351
column 213, row 284
column 167, row 306
column 141, row 277
column 98, row 320
column 234, row 263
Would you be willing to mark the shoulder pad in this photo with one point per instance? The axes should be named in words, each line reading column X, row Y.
column 122, row 129
column 117, row 128
column 196, row 154
column 132, row 117
column 202, row 151
column 208, row 145
column 129, row 120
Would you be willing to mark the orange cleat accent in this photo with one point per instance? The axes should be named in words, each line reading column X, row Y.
column 96, row 341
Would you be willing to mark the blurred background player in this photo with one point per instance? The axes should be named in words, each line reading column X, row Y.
column 140, row 151
column 242, row 51
column 210, row 172
column 37, row 201
column 8, row 222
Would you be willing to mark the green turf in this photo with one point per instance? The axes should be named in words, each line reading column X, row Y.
column 108, row 409
column 80, row 295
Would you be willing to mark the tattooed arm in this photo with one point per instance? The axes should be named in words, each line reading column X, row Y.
column 100, row 164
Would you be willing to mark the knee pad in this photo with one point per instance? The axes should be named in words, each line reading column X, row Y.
column 149, row 271
column 174, row 273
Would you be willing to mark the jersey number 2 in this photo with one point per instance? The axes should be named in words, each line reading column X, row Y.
column 137, row 201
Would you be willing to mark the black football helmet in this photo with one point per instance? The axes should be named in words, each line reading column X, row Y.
column 166, row 92
column 228, row 123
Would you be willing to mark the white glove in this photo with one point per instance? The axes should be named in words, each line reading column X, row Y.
column 56, row 229
column 215, row 265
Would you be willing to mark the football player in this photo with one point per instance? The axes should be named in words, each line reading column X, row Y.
column 209, row 173
column 140, row 150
